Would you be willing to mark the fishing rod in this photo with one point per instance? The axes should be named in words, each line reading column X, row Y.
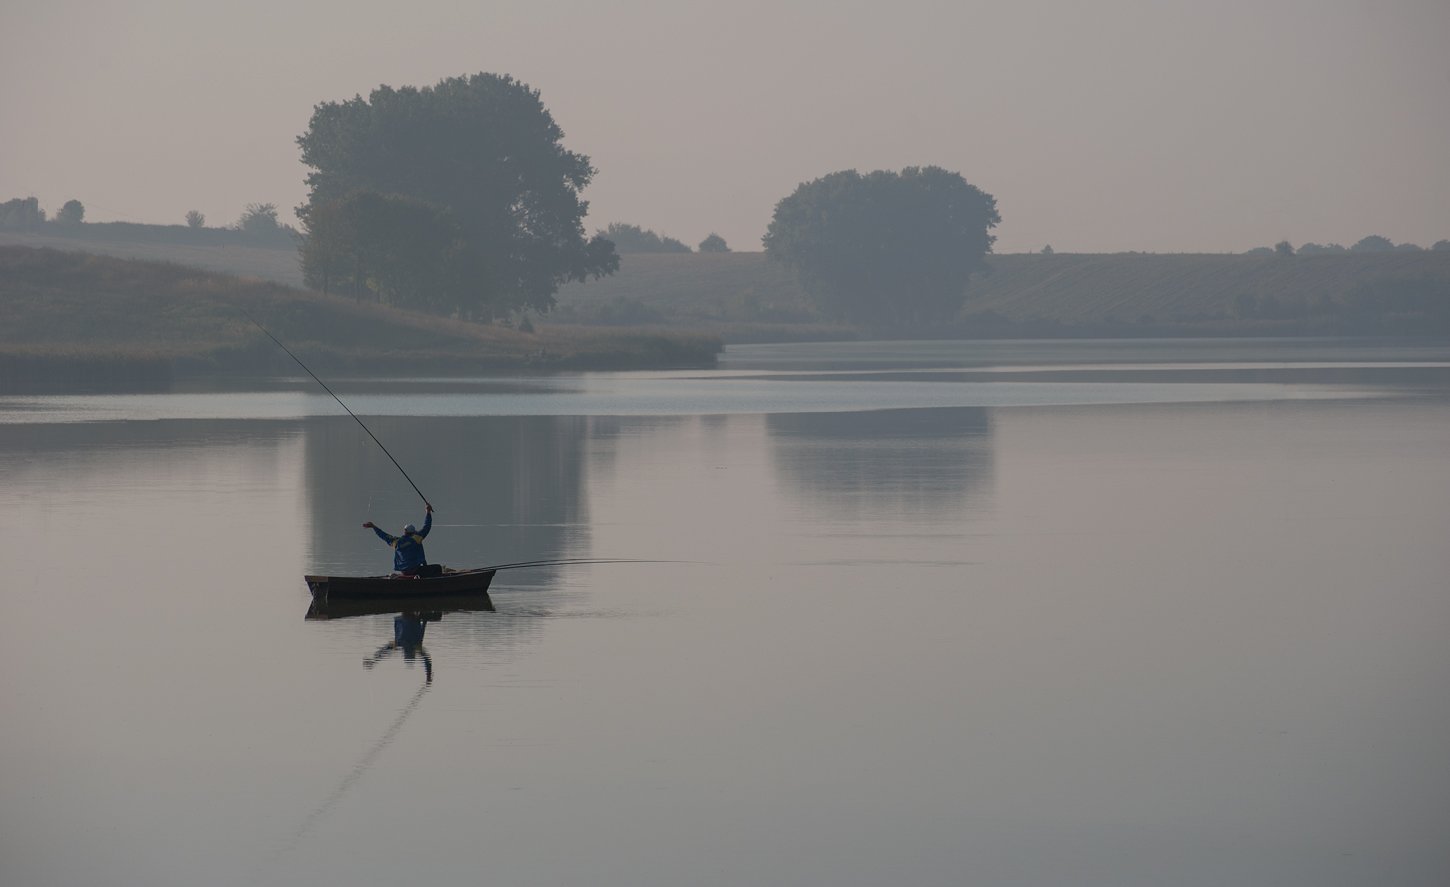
column 339, row 403
column 578, row 561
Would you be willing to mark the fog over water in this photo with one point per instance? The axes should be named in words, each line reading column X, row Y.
column 1120, row 125
column 1108, row 637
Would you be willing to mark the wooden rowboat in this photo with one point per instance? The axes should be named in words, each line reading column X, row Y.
column 452, row 582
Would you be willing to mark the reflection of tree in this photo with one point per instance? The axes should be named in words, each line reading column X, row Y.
column 909, row 461
column 87, row 455
column 505, row 489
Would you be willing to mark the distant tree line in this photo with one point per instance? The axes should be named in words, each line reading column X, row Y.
column 258, row 222
column 1374, row 243
column 23, row 214
column 634, row 239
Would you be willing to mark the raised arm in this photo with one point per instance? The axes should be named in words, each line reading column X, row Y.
column 427, row 522
column 381, row 535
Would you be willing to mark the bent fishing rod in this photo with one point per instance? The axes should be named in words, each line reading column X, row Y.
column 339, row 403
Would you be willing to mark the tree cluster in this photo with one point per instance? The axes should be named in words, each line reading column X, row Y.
column 634, row 239
column 72, row 212
column 457, row 198
column 258, row 222
column 25, row 214
column 1374, row 243
column 259, row 219
column 714, row 243
column 888, row 250
column 21, row 214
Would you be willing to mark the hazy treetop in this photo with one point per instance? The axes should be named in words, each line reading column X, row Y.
column 1121, row 125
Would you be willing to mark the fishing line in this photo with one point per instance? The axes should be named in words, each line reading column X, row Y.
column 577, row 561
column 339, row 403
column 356, row 773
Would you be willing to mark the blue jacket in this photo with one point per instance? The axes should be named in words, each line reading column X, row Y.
column 408, row 550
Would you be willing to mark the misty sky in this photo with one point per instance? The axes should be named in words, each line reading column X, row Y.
column 1105, row 126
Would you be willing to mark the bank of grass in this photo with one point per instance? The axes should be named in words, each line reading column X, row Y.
column 67, row 315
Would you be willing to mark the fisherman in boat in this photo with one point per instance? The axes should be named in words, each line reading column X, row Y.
column 408, row 557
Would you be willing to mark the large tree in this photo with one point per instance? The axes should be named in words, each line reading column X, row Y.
column 484, row 148
column 714, row 243
column 72, row 213
column 885, row 249
column 403, row 251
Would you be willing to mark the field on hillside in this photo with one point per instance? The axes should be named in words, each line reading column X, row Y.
column 275, row 263
column 69, row 311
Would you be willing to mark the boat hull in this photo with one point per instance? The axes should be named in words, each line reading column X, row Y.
column 432, row 606
column 452, row 582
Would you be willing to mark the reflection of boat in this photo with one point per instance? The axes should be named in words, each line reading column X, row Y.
column 409, row 625
column 328, row 589
column 433, row 606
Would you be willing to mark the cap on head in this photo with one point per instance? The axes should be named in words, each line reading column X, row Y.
column 409, row 530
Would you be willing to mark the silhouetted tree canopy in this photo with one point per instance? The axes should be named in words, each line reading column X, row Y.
column 484, row 148
column 72, row 212
column 714, row 243
column 195, row 219
column 885, row 249
column 259, row 223
column 1373, row 244
column 403, row 251
column 1284, row 248
column 1312, row 249
column 259, row 218
column 1441, row 246
column 21, row 214
column 634, row 239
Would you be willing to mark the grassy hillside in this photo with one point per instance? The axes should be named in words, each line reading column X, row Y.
column 210, row 248
column 68, row 315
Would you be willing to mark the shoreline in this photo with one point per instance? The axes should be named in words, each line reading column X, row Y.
column 112, row 373
column 73, row 373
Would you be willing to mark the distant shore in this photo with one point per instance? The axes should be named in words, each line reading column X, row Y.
column 76, row 321
column 661, row 309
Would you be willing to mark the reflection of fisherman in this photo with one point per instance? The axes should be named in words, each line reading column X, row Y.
column 408, row 629
column 408, row 557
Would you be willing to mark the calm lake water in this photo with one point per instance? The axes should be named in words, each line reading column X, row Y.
column 1037, row 613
